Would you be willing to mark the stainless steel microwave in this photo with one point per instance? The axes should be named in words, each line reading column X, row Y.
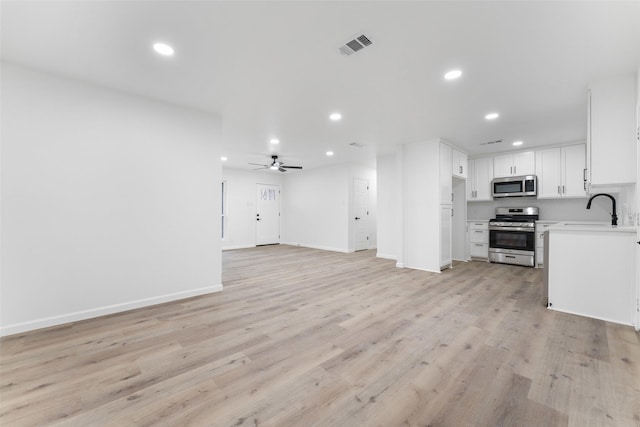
column 515, row 186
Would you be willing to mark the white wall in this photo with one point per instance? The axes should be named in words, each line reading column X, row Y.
column 388, row 227
column 550, row 209
column 316, row 207
column 241, row 204
column 109, row 201
column 421, row 237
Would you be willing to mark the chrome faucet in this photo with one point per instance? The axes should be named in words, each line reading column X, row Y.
column 614, row 216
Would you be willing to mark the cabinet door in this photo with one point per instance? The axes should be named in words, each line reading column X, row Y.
column 610, row 134
column 483, row 174
column 574, row 162
column 445, row 236
column 503, row 166
column 446, row 154
column 524, row 163
column 479, row 250
column 471, row 182
column 548, row 170
column 459, row 164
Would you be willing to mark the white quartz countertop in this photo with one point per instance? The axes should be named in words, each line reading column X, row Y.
column 597, row 226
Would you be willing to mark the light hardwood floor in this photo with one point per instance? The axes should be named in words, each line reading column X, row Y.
column 303, row 337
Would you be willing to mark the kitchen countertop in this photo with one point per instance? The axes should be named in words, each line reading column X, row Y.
column 597, row 226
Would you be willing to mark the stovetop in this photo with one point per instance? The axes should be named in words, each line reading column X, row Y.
column 515, row 217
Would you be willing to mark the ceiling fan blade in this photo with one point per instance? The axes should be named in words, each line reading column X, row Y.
column 259, row 169
column 281, row 169
column 259, row 164
column 292, row 167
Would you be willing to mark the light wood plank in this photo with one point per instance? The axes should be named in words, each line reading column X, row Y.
column 317, row 338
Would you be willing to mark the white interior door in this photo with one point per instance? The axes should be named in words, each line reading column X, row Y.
column 360, row 214
column 268, row 214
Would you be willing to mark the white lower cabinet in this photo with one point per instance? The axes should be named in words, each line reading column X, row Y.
column 478, row 239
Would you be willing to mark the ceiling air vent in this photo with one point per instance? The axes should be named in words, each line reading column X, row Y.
column 497, row 141
column 355, row 144
column 359, row 42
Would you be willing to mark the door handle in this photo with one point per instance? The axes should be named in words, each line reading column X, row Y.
column 357, row 217
column 509, row 256
column 257, row 219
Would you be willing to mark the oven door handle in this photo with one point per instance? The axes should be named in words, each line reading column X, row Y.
column 525, row 229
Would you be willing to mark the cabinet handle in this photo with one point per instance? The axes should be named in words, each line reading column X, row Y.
column 460, row 169
column 564, row 190
column 559, row 190
column 478, row 223
column 478, row 231
column 515, row 170
column 478, row 244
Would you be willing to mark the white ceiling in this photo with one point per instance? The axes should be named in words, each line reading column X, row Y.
column 272, row 69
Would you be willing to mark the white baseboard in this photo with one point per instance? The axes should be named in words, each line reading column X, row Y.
column 46, row 322
column 231, row 248
column 385, row 256
column 324, row 248
column 423, row 269
column 618, row 321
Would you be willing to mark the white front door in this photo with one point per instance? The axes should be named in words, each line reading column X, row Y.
column 268, row 214
column 360, row 214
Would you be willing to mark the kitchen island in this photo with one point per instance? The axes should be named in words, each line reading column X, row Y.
column 590, row 270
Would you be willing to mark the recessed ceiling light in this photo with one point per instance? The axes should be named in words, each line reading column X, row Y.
column 453, row 74
column 492, row 116
column 335, row 116
column 163, row 49
column 224, row 159
column 274, row 141
column 517, row 142
column 329, row 153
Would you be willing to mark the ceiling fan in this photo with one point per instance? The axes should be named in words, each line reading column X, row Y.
column 275, row 165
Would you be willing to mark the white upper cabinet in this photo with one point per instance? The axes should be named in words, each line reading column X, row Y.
column 574, row 162
column 479, row 179
column 459, row 164
column 514, row 164
column 611, row 154
column 561, row 172
column 446, row 155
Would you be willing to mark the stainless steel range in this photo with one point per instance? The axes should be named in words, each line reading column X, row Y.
column 512, row 236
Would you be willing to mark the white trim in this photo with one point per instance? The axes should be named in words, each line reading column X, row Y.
column 231, row 248
column 386, row 256
column 324, row 248
column 591, row 317
column 46, row 322
column 424, row 269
